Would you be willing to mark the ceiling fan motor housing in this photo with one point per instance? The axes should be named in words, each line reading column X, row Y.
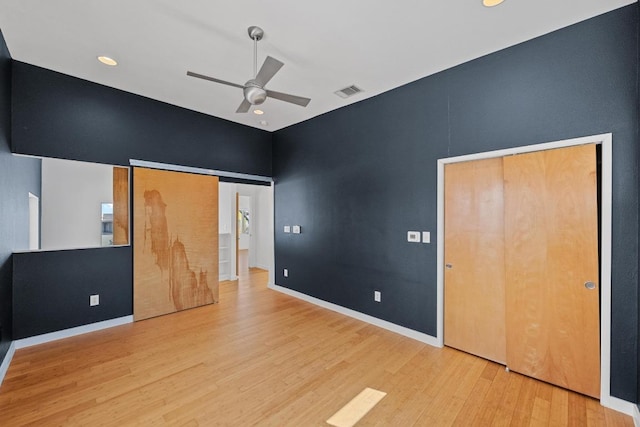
column 253, row 93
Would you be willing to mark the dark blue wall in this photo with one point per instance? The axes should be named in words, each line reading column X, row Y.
column 638, row 136
column 358, row 178
column 48, row 298
column 55, row 115
column 18, row 177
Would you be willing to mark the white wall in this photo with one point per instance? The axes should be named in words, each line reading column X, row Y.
column 263, row 203
column 226, row 200
column 72, row 194
column 34, row 222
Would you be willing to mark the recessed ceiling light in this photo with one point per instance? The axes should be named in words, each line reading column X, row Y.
column 107, row 61
column 264, row 123
column 491, row 3
column 258, row 112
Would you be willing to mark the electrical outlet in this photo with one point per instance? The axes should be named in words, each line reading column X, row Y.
column 296, row 229
column 94, row 300
column 287, row 229
column 377, row 296
column 286, row 272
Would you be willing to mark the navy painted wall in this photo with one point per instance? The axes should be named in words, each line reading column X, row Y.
column 55, row 115
column 358, row 178
column 48, row 298
column 638, row 88
column 18, row 177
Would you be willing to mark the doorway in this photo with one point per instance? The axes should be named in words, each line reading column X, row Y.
column 605, row 142
column 246, row 227
column 246, row 254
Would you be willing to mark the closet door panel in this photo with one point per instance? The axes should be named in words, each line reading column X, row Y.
column 474, row 319
column 551, row 260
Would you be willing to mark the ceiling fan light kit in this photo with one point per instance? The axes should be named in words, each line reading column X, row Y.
column 253, row 90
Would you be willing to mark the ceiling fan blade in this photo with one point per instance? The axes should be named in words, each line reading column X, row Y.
column 268, row 70
column 211, row 79
column 244, row 106
column 298, row 100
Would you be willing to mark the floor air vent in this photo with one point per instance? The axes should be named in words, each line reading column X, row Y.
column 348, row 91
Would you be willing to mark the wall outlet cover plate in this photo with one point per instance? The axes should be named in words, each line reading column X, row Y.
column 296, row 229
column 287, row 229
column 413, row 236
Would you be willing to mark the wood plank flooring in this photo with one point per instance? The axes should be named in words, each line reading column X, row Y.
column 263, row 358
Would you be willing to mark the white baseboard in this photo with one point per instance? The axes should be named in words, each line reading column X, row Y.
column 623, row 406
column 71, row 332
column 263, row 266
column 4, row 367
column 410, row 333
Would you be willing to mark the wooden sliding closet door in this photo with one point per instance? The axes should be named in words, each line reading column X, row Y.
column 474, row 316
column 551, row 258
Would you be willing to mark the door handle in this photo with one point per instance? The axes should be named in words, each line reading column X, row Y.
column 589, row 285
column 448, row 266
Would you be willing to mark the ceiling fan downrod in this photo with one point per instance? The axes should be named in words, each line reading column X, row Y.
column 256, row 34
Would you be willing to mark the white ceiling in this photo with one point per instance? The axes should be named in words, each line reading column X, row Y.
column 325, row 45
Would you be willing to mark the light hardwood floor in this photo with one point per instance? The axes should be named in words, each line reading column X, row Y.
column 263, row 358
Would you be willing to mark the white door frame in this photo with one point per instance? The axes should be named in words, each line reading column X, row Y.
column 605, row 141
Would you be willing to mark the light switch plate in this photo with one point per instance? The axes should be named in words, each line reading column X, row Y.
column 287, row 229
column 413, row 236
column 285, row 272
column 426, row 237
column 94, row 300
column 296, row 229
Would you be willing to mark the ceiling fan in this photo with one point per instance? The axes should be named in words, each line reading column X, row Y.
column 254, row 91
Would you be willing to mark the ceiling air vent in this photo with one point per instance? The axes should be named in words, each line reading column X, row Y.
column 348, row 91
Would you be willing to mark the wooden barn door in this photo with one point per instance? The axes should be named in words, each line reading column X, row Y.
column 175, row 246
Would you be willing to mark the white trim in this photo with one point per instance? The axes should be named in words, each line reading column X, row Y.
column 201, row 171
column 410, row 333
column 605, row 141
column 4, row 367
column 72, row 332
column 263, row 267
column 623, row 406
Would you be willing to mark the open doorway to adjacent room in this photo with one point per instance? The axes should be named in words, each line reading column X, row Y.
column 246, row 229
